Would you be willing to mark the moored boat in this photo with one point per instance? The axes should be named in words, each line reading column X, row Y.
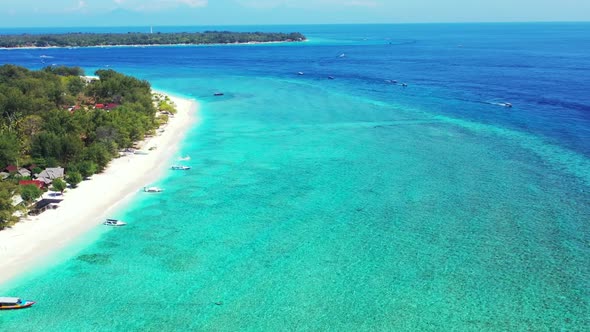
column 114, row 222
column 9, row 303
column 152, row 189
column 180, row 167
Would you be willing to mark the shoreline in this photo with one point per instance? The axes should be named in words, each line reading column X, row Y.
column 27, row 243
column 146, row 45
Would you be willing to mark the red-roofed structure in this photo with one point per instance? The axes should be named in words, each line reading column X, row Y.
column 39, row 184
column 99, row 106
column 111, row 106
column 11, row 169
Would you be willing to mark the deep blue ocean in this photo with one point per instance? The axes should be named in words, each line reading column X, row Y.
column 340, row 199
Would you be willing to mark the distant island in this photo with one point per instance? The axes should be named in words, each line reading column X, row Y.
column 135, row 38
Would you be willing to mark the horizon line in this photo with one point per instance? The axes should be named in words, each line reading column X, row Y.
column 288, row 24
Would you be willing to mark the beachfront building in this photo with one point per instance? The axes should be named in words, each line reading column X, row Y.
column 44, row 205
column 10, row 169
column 24, row 172
column 50, row 174
column 37, row 183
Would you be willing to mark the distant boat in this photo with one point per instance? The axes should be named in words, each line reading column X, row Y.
column 507, row 105
column 114, row 222
column 330, row 77
column 9, row 303
column 217, row 94
column 300, row 73
column 342, row 55
column 152, row 189
column 180, row 168
column 187, row 157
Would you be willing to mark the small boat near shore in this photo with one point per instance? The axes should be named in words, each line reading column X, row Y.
column 114, row 222
column 180, row 168
column 152, row 189
column 10, row 303
column 217, row 94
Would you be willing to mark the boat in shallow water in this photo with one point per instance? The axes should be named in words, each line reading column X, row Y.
column 152, row 189
column 114, row 222
column 180, row 168
column 10, row 303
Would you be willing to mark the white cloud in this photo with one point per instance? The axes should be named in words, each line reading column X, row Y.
column 308, row 4
column 80, row 6
column 154, row 5
column 193, row 3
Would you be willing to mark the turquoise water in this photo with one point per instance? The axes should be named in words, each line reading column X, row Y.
column 348, row 204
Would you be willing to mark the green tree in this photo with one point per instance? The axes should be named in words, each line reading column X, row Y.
column 9, row 149
column 59, row 185
column 30, row 192
column 100, row 154
column 73, row 178
column 75, row 85
column 86, row 168
column 7, row 191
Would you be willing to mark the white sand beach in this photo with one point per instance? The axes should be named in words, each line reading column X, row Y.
column 83, row 208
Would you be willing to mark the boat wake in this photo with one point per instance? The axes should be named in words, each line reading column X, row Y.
column 503, row 104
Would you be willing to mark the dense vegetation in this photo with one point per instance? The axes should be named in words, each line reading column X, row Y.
column 48, row 118
column 105, row 39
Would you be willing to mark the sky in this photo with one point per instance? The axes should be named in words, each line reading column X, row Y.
column 63, row 13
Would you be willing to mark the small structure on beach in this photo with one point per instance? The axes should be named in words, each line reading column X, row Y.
column 10, row 169
column 44, row 205
column 24, row 172
column 50, row 174
column 37, row 183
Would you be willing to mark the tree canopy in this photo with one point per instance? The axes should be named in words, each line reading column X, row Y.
column 135, row 38
column 56, row 117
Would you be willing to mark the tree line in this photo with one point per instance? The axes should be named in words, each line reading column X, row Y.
column 136, row 38
column 49, row 118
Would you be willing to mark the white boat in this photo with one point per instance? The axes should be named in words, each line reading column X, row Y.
column 152, row 189
column 503, row 104
column 8, row 303
column 114, row 222
column 300, row 73
column 180, row 167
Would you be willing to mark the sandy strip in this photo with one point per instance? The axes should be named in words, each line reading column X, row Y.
column 83, row 208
